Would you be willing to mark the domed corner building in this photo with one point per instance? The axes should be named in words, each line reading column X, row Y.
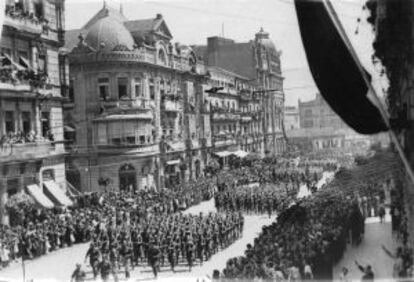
column 108, row 34
column 131, row 106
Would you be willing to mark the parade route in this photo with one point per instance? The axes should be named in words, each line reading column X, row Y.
column 305, row 192
column 59, row 265
column 370, row 252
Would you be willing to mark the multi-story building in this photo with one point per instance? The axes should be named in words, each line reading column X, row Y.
column 320, row 128
column 291, row 118
column 137, row 104
column 318, row 114
column 235, row 115
column 32, row 79
column 393, row 24
column 257, row 61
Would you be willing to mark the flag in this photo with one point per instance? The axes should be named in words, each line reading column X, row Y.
column 336, row 72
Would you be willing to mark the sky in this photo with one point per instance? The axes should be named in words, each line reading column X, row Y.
column 192, row 21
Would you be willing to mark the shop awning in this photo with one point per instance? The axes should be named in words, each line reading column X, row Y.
column 24, row 62
column 68, row 128
column 223, row 154
column 56, row 194
column 37, row 194
column 140, row 116
column 240, row 154
column 173, row 162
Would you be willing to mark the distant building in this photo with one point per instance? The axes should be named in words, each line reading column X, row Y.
column 318, row 114
column 257, row 60
column 320, row 128
column 33, row 78
column 291, row 118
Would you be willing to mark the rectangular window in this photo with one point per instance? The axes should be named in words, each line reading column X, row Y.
column 46, row 124
column 162, row 88
column 38, row 9
column 122, row 87
column 23, row 54
column 130, row 140
column 152, row 89
column 137, row 87
column 26, row 120
column 6, row 51
column 9, row 122
column 62, row 70
column 12, row 186
column 142, row 139
column 71, row 90
column 41, row 63
column 103, row 85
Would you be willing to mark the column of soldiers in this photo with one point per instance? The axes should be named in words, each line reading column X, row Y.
column 263, row 199
column 158, row 241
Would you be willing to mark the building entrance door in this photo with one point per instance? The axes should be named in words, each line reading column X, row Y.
column 127, row 178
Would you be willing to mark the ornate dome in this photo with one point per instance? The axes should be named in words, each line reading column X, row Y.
column 108, row 34
column 263, row 39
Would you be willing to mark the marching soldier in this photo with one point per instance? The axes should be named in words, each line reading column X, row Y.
column 153, row 257
column 190, row 253
column 93, row 253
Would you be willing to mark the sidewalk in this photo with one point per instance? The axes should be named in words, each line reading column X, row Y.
column 370, row 252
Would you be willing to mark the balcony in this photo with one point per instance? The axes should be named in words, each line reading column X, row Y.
column 173, row 144
column 141, row 55
column 170, row 106
column 20, row 80
column 245, row 96
column 225, row 116
column 224, row 142
column 28, row 151
column 113, row 106
column 128, row 149
column 23, row 21
column 192, row 143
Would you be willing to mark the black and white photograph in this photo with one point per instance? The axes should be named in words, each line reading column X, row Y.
column 206, row 140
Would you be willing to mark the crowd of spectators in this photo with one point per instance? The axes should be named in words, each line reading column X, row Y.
column 311, row 236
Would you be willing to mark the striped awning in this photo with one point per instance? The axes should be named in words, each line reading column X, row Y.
column 37, row 194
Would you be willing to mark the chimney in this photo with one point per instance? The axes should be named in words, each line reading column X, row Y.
column 158, row 17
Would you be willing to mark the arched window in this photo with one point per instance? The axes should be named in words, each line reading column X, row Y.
column 161, row 57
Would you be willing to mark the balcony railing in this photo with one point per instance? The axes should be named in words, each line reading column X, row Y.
column 225, row 142
column 173, row 144
column 34, row 150
column 24, row 80
column 140, row 55
column 129, row 148
column 225, row 116
column 22, row 20
column 170, row 106
column 114, row 105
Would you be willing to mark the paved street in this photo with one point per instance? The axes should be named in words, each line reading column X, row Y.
column 59, row 265
column 370, row 252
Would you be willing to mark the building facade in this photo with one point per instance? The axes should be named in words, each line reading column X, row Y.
column 291, row 118
column 318, row 114
column 145, row 113
column 259, row 62
column 136, row 106
column 320, row 129
column 235, row 114
column 32, row 80
column 393, row 24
